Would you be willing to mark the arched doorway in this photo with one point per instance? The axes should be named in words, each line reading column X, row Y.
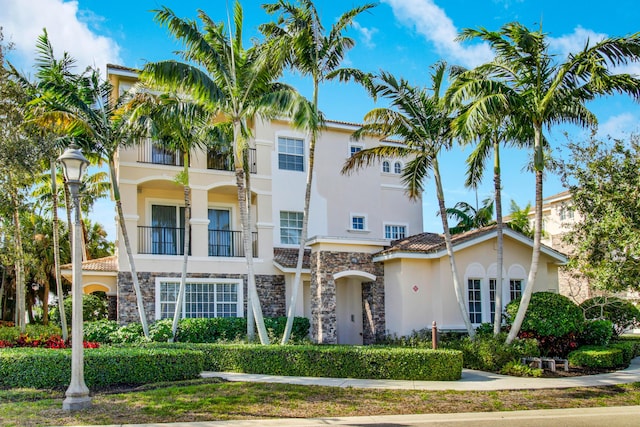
column 349, row 306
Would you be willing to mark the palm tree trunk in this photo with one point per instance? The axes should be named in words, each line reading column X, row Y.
column 186, row 238
column 19, row 260
column 537, row 239
column 497, row 321
column 305, row 226
column 56, row 250
column 447, row 239
column 127, row 246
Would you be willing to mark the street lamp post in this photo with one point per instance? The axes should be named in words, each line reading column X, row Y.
column 77, row 395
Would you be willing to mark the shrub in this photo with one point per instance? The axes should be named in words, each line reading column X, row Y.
column 128, row 334
column 597, row 332
column 235, row 329
column 94, row 308
column 100, row 331
column 12, row 336
column 43, row 368
column 517, row 369
column 596, row 357
column 623, row 314
column 160, row 330
column 630, row 349
column 336, row 361
column 492, row 353
column 549, row 314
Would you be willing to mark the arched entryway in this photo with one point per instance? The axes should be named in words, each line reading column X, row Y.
column 349, row 305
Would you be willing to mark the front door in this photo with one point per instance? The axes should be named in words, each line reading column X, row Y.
column 349, row 310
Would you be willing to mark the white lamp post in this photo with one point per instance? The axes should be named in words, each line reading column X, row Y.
column 77, row 395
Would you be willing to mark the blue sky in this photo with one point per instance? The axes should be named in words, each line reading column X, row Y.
column 403, row 37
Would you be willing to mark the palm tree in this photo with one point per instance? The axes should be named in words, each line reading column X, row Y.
column 420, row 118
column 238, row 85
column 301, row 36
column 519, row 219
column 93, row 118
column 469, row 217
column 180, row 125
column 525, row 80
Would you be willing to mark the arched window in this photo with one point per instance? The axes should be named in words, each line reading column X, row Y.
column 386, row 167
column 397, row 168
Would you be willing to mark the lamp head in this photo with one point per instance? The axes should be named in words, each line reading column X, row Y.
column 73, row 164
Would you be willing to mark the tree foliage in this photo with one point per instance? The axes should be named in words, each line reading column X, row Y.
column 604, row 180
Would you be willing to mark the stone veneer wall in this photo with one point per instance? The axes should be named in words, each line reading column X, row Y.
column 324, row 264
column 271, row 290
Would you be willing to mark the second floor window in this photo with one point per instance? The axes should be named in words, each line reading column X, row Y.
column 386, row 167
column 290, row 154
column 395, row 232
column 397, row 168
column 358, row 223
column 353, row 149
column 290, row 227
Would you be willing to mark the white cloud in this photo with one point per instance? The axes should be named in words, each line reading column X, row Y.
column 618, row 126
column 433, row 24
column 69, row 31
column 366, row 34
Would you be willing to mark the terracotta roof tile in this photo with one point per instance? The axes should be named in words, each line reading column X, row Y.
column 432, row 242
column 288, row 257
column 109, row 263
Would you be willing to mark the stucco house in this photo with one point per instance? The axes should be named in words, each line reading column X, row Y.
column 369, row 269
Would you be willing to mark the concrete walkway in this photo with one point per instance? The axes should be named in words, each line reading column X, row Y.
column 471, row 380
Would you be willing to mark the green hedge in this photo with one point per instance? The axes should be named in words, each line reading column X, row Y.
column 203, row 330
column 597, row 357
column 335, row 361
column 47, row 368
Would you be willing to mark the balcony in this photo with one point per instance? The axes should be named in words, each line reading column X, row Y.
column 161, row 240
column 226, row 243
column 154, row 153
column 223, row 161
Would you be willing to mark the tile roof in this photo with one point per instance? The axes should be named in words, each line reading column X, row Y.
column 288, row 257
column 109, row 263
column 432, row 242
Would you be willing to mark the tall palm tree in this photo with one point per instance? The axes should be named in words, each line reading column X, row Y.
column 238, row 85
column 525, row 79
column 420, row 118
column 94, row 119
column 179, row 125
column 301, row 37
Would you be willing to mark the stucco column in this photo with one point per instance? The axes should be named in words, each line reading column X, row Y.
column 199, row 223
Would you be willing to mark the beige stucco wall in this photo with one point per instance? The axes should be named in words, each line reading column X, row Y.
column 420, row 291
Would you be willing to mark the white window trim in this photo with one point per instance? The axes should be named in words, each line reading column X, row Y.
column 382, row 167
column 211, row 280
column 291, row 135
column 392, row 169
column 280, row 243
column 395, row 224
column 162, row 202
column 232, row 214
column 350, row 229
column 354, row 144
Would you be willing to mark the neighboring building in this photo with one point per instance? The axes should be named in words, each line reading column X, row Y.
column 558, row 217
column 369, row 270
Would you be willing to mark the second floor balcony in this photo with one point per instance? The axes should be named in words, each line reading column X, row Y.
column 170, row 241
column 223, row 160
column 154, row 153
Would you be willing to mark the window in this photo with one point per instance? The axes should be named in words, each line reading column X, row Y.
column 566, row 213
column 475, row 300
column 386, row 166
column 395, row 232
column 220, row 234
column 166, row 233
column 353, row 149
column 397, row 168
column 203, row 298
column 492, row 299
column 290, row 154
column 515, row 289
column 358, row 223
column 290, row 227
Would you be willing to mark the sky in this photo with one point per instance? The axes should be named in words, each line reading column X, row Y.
column 403, row 37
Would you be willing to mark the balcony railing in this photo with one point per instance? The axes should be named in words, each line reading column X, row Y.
column 224, row 161
column 151, row 152
column 226, row 243
column 161, row 240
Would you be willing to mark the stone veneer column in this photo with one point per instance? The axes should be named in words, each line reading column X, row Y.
column 324, row 264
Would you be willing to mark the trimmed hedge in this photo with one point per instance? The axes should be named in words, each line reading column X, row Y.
column 46, row 368
column 597, row 357
column 336, row 361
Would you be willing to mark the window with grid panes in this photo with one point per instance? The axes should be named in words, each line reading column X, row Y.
column 291, row 154
column 395, row 232
column 475, row 300
column 290, row 227
column 201, row 299
column 515, row 289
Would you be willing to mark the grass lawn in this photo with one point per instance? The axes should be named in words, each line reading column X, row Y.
column 212, row 400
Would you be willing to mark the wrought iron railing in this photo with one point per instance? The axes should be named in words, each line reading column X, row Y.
column 152, row 152
column 226, row 243
column 224, row 161
column 161, row 240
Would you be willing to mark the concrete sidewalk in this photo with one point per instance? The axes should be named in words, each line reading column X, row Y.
column 471, row 380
